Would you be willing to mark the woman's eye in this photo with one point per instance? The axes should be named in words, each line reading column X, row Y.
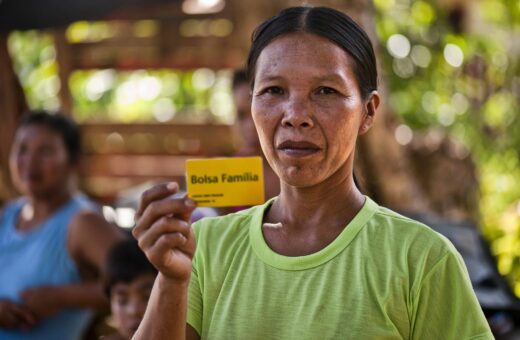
column 21, row 150
column 326, row 90
column 274, row 90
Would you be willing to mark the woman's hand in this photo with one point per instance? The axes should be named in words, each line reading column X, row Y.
column 164, row 232
column 43, row 301
column 15, row 316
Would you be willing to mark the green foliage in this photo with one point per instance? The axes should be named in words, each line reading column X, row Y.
column 194, row 96
column 464, row 77
column 34, row 58
column 152, row 95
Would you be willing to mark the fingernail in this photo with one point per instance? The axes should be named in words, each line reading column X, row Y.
column 172, row 186
column 189, row 203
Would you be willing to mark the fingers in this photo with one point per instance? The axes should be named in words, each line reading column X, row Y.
column 172, row 255
column 15, row 316
column 163, row 230
column 180, row 208
column 24, row 316
column 156, row 192
column 163, row 226
column 166, row 243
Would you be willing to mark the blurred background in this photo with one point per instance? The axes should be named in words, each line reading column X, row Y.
column 150, row 84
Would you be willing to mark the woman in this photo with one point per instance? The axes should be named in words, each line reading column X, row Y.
column 52, row 242
column 320, row 261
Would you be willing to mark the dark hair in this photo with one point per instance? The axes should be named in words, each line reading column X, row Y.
column 239, row 77
column 327, row 23
column 62, row 125
column 124, row 263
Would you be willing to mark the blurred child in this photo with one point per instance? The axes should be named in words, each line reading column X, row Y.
column 129, row 281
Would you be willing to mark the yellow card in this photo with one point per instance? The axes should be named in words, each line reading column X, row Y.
column 225, row 182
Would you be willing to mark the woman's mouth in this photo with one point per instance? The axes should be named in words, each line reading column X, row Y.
column 298, row 148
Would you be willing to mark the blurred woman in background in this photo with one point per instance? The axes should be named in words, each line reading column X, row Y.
column 53, row 242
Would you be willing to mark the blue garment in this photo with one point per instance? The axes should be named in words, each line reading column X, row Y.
column 40, row 257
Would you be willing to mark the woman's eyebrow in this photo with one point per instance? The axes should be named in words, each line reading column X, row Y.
column 334, row 77
column 269, row 77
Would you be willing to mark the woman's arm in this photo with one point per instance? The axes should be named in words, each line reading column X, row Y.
column 166, row 316
column 45, row 301
column 165, row 235
column 89, row 239
column 15, row 316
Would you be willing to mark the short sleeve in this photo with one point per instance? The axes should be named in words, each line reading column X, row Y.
column 445, row 305
column 194, row 317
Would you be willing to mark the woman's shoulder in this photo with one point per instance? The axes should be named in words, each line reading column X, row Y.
column 409, row 234
column 11, row 207
column 13, row 204
column 383, row 215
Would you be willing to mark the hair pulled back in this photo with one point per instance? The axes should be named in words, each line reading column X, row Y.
column 324, row 22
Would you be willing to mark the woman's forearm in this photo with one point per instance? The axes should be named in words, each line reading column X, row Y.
column 165, row 316
column 84, row 295
column 44, row 301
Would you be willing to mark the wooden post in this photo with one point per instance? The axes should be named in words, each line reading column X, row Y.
column 63, row 58
column 12, row 105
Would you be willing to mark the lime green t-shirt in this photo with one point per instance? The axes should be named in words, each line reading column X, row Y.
column 384, row 277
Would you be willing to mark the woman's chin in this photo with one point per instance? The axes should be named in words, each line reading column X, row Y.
column 300, row 179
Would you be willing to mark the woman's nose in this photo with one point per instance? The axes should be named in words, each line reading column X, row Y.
column 297, row 113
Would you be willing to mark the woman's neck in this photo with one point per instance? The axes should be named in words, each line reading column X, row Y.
column 38, row 208
column 333, row 203
column 303, row 221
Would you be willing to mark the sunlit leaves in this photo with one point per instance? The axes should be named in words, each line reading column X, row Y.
column 201, row 95
column 466, row 84
column 34, row 58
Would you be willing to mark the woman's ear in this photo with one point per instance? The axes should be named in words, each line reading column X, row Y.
column 369, row 115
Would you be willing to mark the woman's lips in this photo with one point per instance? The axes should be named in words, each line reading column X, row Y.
column 298, row 148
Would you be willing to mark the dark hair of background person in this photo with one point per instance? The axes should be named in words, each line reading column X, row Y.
column 327, row 23
column 125, row 262
column 62, row 125
column 239, row 77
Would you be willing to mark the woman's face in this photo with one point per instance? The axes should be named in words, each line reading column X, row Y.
column 39, row 162
column 308, row 109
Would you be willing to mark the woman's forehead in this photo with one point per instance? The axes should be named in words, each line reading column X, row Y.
column 303, row 53
column 37, row 132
